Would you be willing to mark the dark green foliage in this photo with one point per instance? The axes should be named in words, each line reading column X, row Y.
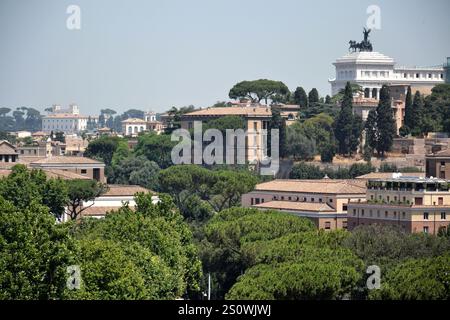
column 136, row 170
column 303, row 170
column 104, row 148
column 225, row 235
column 143, row 254
column 34, row 253
column 416, row 279
column 386, row 129
column 24, row 186
column 410, row 119
column 300, row 97
column 220, row 188
column 258, row 90
column 156, row 148
column 347, row 127
column 313, row 96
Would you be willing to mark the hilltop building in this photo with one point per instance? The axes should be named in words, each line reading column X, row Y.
column 66, row 120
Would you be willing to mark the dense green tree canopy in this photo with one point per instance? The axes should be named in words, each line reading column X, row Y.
column 136, row 170
column 34, row 252
column 155, row 244
column 258, row 90
column 104, row 148
column 221, row 188
column 156, row 148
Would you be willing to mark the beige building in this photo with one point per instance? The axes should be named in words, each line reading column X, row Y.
column 412, row 203
column 438, row 164
column 323, row 201
column 256, row 122
column 90, row 168
column 362, row 107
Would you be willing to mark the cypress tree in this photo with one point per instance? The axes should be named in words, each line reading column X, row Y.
column 313, row 96
column 300, row 97
column 343, row 125
column 385, row 122
column 409, row 115
column 417, row 114
column 371, row 130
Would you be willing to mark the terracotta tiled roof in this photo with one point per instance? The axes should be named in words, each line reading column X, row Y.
column 296, row 206
column 232, row 111
column 65, row 175
column 66, row 160
column 99, row 211
column 124, row 190
column 323, row 186
column 386, row 175
column 64, row 115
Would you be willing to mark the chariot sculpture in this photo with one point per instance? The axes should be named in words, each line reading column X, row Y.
column 364, row 45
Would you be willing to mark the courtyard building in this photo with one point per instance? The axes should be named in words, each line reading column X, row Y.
column 323, row 201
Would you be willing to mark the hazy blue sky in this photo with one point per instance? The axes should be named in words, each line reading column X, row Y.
column 155, row 54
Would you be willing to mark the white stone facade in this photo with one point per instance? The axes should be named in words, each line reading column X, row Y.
column 372, row 70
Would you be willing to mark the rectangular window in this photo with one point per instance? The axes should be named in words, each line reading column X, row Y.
column 354, row 212
column 255, row 125
column 327, row 225
column 443, row 215
column 425, row 229
column 425, row 216
column 252, row 202
column 344, row 207
column 257, row 201
column 344, row 225
column 418, row 201
column 441, row 201
column 83, row 171
column 312, row 199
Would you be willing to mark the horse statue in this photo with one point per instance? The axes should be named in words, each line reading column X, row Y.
column 364, row 45
column 353, row 46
